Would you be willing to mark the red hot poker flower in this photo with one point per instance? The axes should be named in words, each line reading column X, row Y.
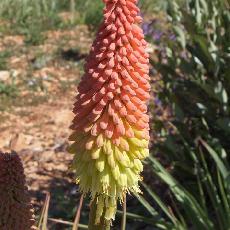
column 111, row 129
column 16, row 212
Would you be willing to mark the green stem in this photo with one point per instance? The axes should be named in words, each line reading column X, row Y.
column 72, row 9
column 103, row 225
column 123, row 223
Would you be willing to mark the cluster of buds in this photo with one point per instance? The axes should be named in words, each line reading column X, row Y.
column 16, row 212
column 111, row 125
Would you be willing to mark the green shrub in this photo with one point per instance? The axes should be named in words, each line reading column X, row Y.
column 8, row 90
column 90, row 12
column 3, row 59
column 30, row 17
column 93, row 16
column 147, row 6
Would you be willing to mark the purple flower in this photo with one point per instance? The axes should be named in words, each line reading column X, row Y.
column 157, row 35
column 145, row 28
column 148, row 27
column 184, row 55
column 157, row 101
column 172, row 37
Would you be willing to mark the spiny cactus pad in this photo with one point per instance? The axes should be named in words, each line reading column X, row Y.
column 16, row 212
column 111, row 125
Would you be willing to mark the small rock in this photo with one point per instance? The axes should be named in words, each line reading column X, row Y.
column 4, row 75
column 20, row 141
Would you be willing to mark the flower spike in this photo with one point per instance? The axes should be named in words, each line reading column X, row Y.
column 111, row 125
column 16, row 212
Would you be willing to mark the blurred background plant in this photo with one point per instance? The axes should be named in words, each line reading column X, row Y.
column 32, row 17
column 195, row 85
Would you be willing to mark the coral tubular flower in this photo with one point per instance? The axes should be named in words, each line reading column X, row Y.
column 16, row 212
column 111, row 125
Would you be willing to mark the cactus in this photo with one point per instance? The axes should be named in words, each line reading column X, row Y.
column 16, row 212
column 111, row 125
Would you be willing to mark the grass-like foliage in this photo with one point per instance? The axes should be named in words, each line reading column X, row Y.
column 90, row 12
column 30, row 17
column 196, row 84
